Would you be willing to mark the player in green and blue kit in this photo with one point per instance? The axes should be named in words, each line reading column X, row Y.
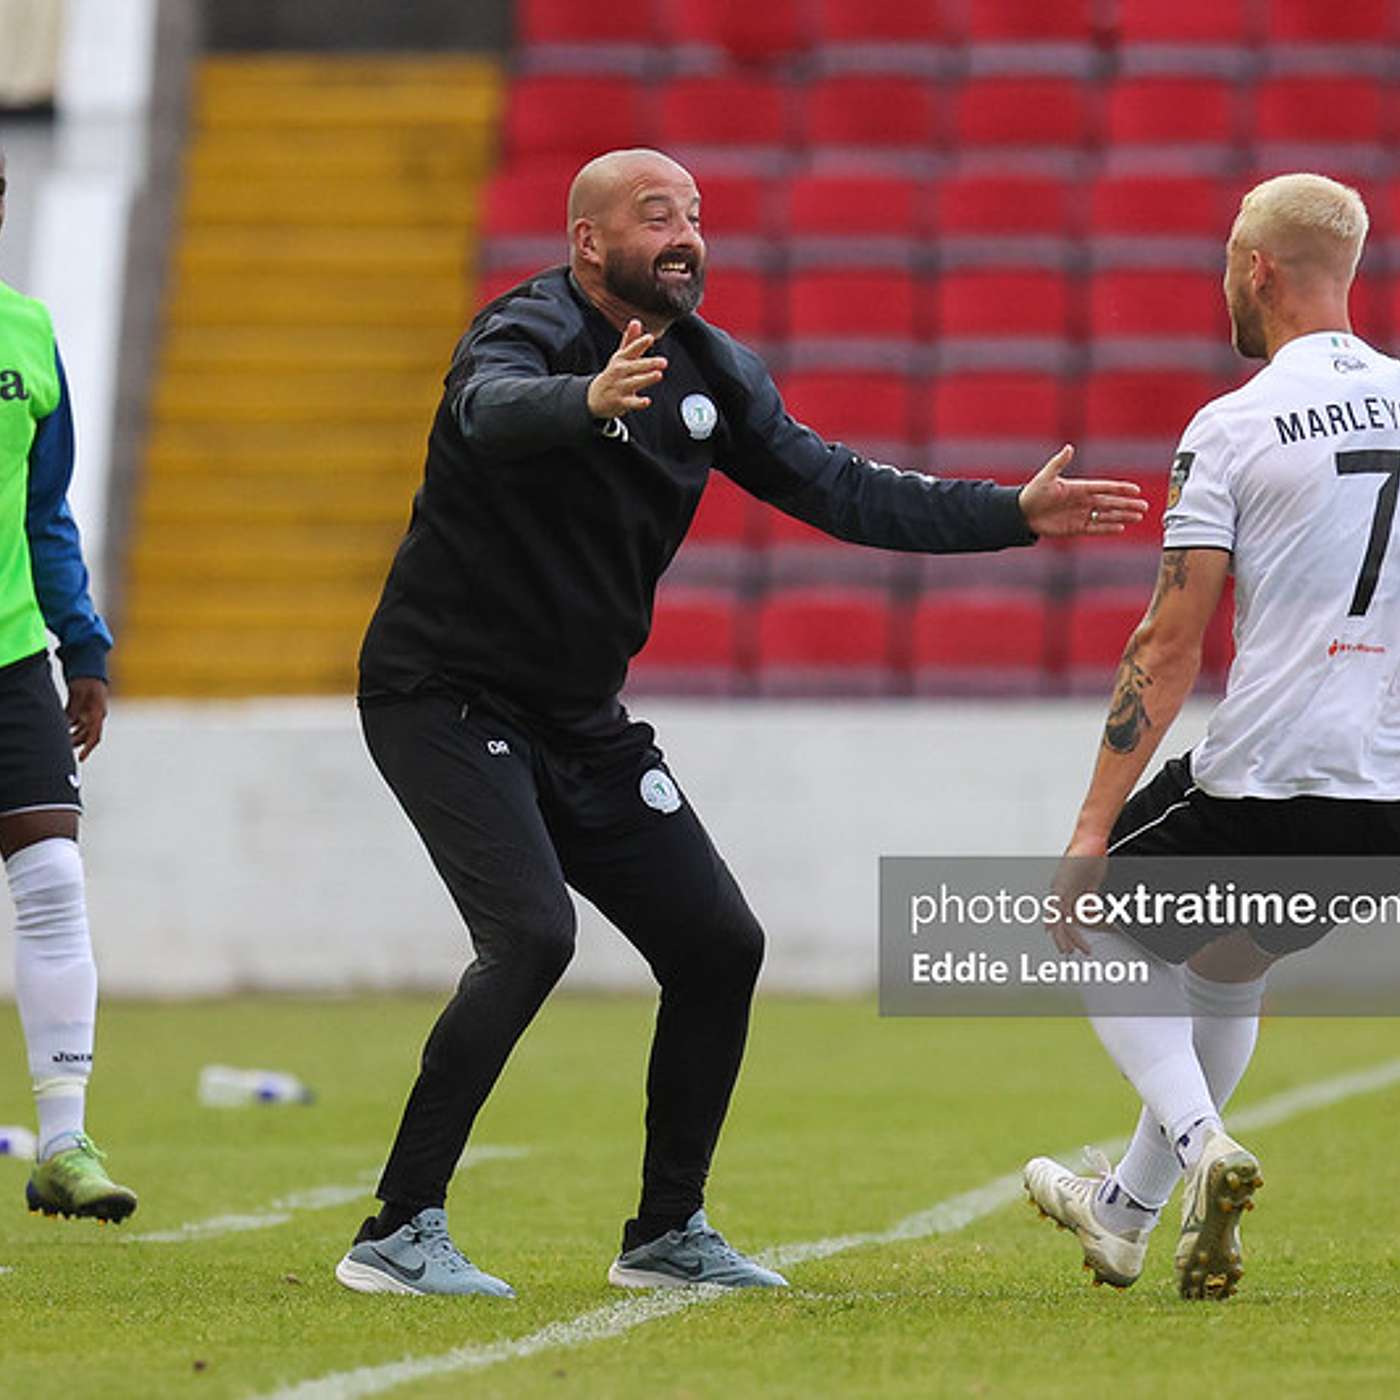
column 43, row 588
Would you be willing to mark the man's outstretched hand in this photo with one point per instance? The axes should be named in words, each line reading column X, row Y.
column 1053, row 505
column 617, row 388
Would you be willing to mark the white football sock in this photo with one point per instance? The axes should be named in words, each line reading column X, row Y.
column 55, row 980
column 1224, row 1028
column 1156, row 1053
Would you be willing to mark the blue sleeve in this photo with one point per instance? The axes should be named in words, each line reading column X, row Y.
column 55, row 553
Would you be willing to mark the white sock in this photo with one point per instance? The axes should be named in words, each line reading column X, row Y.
column 1224, row 1028
column 1156, row 1054
column 55, row 981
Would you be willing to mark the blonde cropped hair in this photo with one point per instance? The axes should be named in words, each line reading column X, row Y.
column 1304, row 218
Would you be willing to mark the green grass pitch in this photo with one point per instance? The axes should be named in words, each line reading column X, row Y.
column 843, row 1123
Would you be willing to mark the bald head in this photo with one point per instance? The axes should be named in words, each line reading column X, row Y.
column 1311, row 225
column 608, row 178
column 634, row 238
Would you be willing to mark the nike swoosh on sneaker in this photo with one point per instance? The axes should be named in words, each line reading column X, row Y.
column 691, row 1268
column 408, row 1275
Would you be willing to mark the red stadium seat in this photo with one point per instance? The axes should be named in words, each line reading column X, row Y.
column 1159, row 220
column 999, row 406
column 1329, row 110
column 1024, row 20
column 1188, row 37
column 732, row 118
column 874, row 413
column 1010, row 318
column 857, row 220
column 797, row 554
column 739, row 30
column 740, row 301
column 1004, row 219
column 1138, row 407
column 693, row 648
column 984, row 643
column 563, row 35
column 567, row 22
column 1034, row 112
column 1375, row 308
column 872, row 113
column 994, row 204
column 721, row 545
column 734, row 205
column 883, row 21
column 573, row 117
column 527, row 200
column 1308, row 21
column 853, row 318
column 1218, row 649
column 1184, row 22
column 1193, row 121
column 825, row 642
column 524, row 216
column 1147, row 316
column 1099, row 624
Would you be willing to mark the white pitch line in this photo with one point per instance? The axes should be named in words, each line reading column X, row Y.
column 280, row 1211
column 945, row 1217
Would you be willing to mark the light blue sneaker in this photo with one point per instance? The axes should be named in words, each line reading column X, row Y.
column 696, row 1254
column 417, row 1258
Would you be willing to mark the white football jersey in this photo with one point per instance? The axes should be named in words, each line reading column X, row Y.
column 1297, row 474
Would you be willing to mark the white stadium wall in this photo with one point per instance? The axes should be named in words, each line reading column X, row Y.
column 240, row 846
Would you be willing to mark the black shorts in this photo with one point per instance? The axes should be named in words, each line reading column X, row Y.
column 37, row 766
column 1320, row 846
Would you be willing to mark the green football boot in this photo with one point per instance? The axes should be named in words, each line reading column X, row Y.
column 74, row 1182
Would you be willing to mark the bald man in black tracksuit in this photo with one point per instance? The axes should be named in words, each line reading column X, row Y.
column 563, row 470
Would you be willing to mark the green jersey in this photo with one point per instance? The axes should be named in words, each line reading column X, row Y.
column 43, row 582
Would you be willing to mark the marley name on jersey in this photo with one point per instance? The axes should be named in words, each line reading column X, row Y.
column 1338, row 419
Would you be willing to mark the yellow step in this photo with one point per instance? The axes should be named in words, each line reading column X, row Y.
column 294, row 69
column 452, row 105
column 303, row 248
column 290, row 615
column 195, row 500
column 268, row 449
column 242, row 395
column 285, row 199
column 269, row 551
column 392, row 349
column 331, row 299
column 371, row 157
column 231, row 661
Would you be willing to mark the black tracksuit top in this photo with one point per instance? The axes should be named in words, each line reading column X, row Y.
column 538, row 535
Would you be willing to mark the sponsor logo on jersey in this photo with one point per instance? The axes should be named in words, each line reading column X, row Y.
column 699, row 415
column 12, row 385
column 1348, row 364
column 497, row 746
column 1181, row 469
column 659, row 791
column 1361, row 648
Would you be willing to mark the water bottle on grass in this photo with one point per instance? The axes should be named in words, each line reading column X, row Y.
column 222, row 1086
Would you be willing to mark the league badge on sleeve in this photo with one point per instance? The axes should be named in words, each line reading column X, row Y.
column 1181, row 469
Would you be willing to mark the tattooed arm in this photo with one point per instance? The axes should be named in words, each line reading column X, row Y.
column 1155, row 676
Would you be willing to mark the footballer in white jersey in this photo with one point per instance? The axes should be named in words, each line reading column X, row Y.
column 1289, row 482
column 1296, row 475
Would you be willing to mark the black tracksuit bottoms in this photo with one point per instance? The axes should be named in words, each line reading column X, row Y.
column 510, row 814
